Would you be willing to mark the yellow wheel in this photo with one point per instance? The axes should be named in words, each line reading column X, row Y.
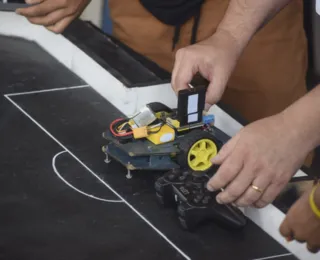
column 197, row 148
column 201, row 153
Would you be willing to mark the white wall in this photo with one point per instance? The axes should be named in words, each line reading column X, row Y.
column 94, row 12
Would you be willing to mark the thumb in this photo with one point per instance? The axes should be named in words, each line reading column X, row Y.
column 225, row 151
column 183, row 72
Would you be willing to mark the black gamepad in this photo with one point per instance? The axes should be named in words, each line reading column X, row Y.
column 196, row 205
column 163, row 186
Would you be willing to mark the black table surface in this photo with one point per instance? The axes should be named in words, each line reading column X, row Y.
column 51, row 141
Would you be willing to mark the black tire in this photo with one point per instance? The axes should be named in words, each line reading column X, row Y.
column 188, row 141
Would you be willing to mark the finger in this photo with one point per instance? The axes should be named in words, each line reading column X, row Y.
column 225, row 151
column 269, row 195
column 50, row 19
column 285, row 230
column 33, row 2
column 237, row 187
column 313, row 248
column 226, row 172
column 60, row 26
column 214, row 92
column 252, row 195
column 183, row 72
column 41, row 9
column 217, row 85
column 176, row 67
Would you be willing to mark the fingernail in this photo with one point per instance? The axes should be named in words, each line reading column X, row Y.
column 289, row 239
column 218, row 200
column 215, row 159
column 210, row 188
column 207, row 107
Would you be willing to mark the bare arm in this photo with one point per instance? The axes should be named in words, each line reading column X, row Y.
column 244, row 17
column 304, row 117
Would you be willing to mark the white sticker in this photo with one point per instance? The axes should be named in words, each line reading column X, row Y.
column 193, row 118
column 318, row 7
column 193, row 103
column 166, row 138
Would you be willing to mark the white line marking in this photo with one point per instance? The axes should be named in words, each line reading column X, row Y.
column 272, row 257
column 45, row 90
column 107, row 185
column 72, row 187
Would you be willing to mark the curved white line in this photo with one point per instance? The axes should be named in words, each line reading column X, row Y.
column 72, row 187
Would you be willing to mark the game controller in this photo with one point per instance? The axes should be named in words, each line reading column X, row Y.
column 163, row 186
column 196, row 205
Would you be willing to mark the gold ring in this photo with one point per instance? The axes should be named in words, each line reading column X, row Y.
column 256, row 188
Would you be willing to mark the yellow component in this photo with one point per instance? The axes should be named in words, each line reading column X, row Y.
column 132, row 124
column 159, row 114
column 201, row 153
column 140, row 132
column 173, row 122
column 312, row 203
column 163, row 135
column 184, row 128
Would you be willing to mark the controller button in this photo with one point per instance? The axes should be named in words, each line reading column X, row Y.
column 182, row 178
column 206, row 199
column 171, row 177
column 198, row 198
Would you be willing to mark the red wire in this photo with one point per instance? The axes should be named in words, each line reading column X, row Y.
column 117, row 134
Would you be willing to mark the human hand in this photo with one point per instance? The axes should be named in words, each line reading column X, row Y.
column 213, row 58
column 264, row 154
column 302, row 224
column 55, row 15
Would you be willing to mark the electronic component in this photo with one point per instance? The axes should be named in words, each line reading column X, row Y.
column 144, row 117
column 208, row 119
column 191, row 105
column 140, row 132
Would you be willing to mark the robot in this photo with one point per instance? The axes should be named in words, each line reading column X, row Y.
column 160, row 138
column 182, row 142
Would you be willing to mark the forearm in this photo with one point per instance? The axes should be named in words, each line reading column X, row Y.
column 244, row 17
column 303, row 118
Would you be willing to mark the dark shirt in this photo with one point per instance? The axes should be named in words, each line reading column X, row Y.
column 175, row 13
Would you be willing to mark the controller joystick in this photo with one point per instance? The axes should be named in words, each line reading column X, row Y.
column 196, row 205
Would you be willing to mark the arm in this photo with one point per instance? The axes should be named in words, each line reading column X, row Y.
column 304, row 117
column 302, row 224
column 219, row 54
column 245, row 17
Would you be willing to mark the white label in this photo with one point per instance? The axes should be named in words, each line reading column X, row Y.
column 318, row 7
column 166, row 138
column 193, row 103
column 193, row 118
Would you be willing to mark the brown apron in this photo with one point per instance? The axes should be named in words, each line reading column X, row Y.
column 270, row 74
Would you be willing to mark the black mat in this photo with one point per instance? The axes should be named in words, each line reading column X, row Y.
column 44, row 218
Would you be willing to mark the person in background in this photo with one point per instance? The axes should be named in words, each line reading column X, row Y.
column 254, row 55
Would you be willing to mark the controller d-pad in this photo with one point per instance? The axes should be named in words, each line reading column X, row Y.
column 198, row 198
column 206, row 200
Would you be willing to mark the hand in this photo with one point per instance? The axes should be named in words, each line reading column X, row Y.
column 265, row 154
column 55, row 15
column 214, row 58
column 301, row 223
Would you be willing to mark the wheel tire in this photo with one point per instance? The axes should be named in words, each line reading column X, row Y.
column 188, row 141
